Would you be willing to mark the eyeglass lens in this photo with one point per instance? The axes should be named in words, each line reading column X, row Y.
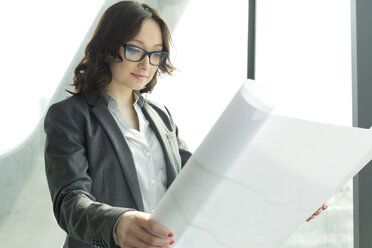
column 136, row 54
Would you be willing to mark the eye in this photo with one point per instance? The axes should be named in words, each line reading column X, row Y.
column 157, row 55
column 133, row 50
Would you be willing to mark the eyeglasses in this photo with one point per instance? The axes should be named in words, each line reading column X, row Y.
column 135, row 54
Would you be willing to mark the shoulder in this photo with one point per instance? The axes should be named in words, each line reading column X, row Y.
column 72, row 104
column 73, row 108
column 75, row 101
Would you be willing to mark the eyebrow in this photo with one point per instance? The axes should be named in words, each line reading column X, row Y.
column 141, row 42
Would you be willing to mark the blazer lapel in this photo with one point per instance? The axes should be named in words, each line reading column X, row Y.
column 160, row 131
column 101, row 112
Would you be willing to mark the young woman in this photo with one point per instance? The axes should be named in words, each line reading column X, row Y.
column 110, row 154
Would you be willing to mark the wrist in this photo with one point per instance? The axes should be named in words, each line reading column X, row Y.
column 114, row 229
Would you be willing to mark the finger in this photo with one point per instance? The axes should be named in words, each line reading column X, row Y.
column 134, row 242
column 127, row 246
column 141, row 244
column 325, row 206
column 151, row 239
column 131, row 237
column 155, row 228
column 128, row 242
column 317, row 212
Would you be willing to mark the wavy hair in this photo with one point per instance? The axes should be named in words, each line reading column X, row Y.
column 119, row 24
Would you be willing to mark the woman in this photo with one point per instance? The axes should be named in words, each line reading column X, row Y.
column 110, row 154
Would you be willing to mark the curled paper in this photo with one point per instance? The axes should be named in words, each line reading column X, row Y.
column 257, row 176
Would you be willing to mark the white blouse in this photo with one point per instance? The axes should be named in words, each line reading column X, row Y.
column 146, row 151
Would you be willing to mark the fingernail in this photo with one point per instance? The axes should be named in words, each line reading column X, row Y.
column 172, row 242
column 324, row 207
column 170, row 234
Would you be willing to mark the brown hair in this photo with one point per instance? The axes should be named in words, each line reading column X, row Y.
column 120, row 23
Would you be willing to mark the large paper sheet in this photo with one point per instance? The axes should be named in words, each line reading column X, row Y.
column 257, row 176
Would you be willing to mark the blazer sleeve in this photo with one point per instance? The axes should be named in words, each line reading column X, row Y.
column 69, row 182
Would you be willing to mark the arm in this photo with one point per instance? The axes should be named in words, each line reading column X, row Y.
column 75, row 208
column 66, row 167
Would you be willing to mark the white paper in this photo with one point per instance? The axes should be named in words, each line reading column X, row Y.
column 256, row 176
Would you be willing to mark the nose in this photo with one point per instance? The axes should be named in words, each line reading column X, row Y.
column 145, row 62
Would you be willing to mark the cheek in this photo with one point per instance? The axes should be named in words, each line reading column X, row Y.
column 114, row 68
column 153, row 71
column 118, row 69
column 152, row 74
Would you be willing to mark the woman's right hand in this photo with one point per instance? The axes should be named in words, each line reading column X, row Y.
column 136, row 230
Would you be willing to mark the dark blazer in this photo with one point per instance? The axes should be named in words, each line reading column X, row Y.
column 90, row 169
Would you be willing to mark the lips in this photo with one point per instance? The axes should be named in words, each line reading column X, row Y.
column 139, row 76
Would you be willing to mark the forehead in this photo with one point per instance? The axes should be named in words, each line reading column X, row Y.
column 150, row 34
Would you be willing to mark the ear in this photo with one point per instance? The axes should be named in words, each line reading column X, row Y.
column 120, row 55
column 119, row 59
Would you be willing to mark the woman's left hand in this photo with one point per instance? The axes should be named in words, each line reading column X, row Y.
column 322, row 208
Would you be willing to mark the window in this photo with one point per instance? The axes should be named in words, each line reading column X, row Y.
column 39, row 40
column 303, row 53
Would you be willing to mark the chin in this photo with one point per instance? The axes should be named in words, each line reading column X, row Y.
column 140, row 87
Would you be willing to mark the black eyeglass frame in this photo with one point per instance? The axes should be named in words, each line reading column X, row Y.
column 163, row 55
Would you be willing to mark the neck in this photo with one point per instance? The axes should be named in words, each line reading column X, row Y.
column 123, row 95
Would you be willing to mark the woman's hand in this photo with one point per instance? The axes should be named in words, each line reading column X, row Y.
column 136, row 230
column 322, row 208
